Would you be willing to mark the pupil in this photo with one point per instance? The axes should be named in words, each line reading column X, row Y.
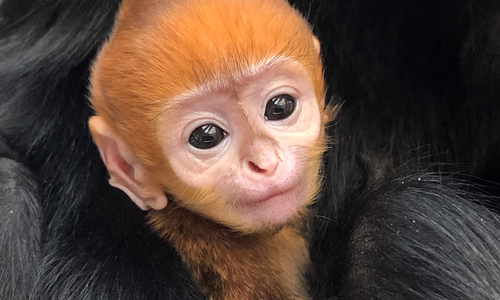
column 208, row 139
column 278, row 111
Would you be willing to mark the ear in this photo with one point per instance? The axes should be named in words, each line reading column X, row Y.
column 125, row 168
column 317, row 45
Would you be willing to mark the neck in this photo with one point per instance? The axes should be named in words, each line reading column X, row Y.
column 228, row 265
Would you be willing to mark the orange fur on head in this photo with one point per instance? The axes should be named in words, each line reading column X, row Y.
column 160, row 49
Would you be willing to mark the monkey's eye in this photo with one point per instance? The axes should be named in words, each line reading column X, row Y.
column 206, row 136
column 279, row 107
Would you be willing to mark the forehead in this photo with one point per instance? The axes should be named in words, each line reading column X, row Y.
column 279, row 69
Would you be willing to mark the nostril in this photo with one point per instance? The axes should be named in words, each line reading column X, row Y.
column 255, row 168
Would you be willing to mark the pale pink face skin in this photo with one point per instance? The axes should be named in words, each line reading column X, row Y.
column 260, row 169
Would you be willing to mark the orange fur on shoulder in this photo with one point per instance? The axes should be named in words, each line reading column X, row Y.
column 229, row 265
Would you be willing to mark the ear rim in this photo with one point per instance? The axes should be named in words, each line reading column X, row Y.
column 317, row 44
column 125, row 168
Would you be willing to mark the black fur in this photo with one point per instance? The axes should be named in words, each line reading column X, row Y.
column 419, row 82
column 19, row 227
column 414, row 237
column 426, row 240
column 94, row 243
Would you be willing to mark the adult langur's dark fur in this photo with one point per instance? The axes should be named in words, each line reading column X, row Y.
column 420, row 87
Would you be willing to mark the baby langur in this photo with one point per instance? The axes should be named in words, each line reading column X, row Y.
column 210, row 114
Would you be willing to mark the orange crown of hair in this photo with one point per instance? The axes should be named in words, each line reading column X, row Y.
column 160, row 49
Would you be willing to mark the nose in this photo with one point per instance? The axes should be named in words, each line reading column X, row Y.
column 263, row 158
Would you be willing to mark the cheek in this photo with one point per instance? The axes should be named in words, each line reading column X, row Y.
column 310, row 123
column 197, row 173
column 304, row 133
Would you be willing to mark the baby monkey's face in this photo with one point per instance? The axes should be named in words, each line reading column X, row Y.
column 250, row 151
column 218, row 103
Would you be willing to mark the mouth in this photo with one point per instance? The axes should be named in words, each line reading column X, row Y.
column 275, row 208
column 281, row 202
column 270, row 198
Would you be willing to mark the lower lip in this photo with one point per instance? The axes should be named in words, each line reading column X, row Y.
column 276, row 209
